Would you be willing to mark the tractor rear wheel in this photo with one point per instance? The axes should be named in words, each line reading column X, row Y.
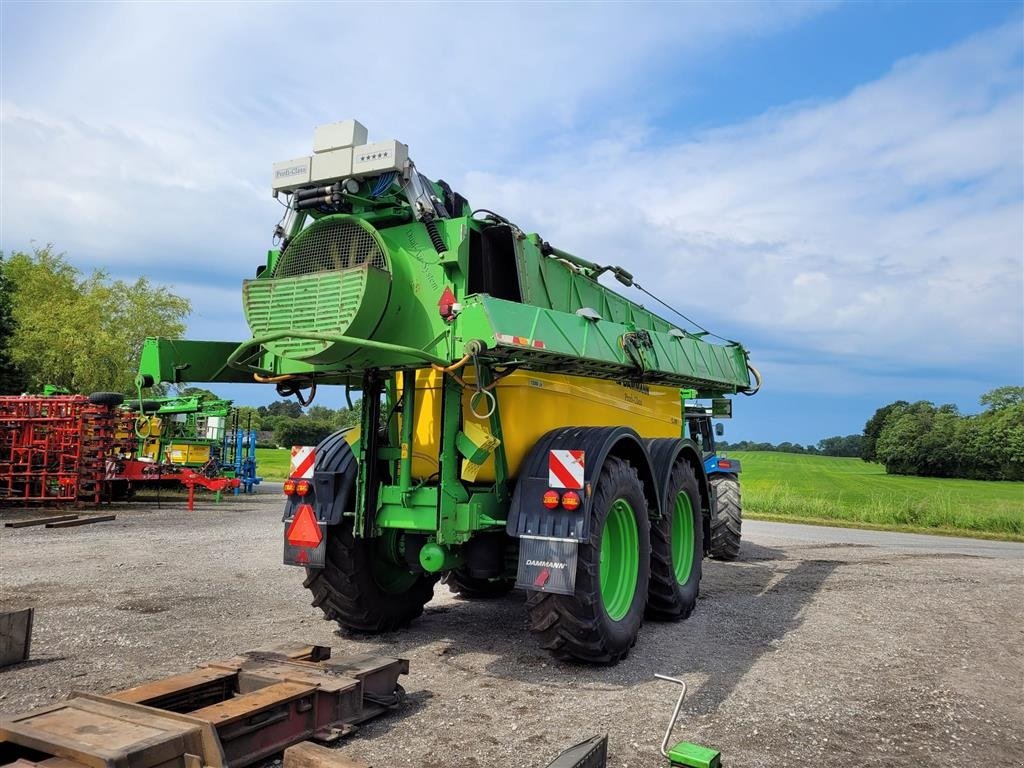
column 360, row 587
column 677, row 549
column 472, row 588
column 600, row 621
column 728, row 519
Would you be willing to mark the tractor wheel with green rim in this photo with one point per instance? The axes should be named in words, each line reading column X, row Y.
column 362, row 587
column 599, row 623
column 677, row 549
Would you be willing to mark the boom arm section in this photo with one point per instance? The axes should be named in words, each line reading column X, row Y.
column 586, row 345
column 176, row 361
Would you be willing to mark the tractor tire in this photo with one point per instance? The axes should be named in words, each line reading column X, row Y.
column 677, row 549
column 726, row 525
column 106, row 398
column 472, row 588
column 350, row 590
column 599, row 623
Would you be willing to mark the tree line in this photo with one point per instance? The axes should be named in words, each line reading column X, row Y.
column 290, row 425
column 924, row 439
column 839, row 445
column 83, row 332
column 938, row 441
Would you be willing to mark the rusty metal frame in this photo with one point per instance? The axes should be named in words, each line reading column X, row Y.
column 226, row 714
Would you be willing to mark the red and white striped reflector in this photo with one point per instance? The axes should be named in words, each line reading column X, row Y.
column 303, row 459
column 521, row 341
column 565, row 469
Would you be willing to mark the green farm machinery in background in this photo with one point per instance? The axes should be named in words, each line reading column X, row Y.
column 187, row 431
column 195, row 432
column 522, row 424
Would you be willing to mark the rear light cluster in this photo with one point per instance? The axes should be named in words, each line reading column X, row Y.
column 569, row 501
column 724, row 464
column 292, row 487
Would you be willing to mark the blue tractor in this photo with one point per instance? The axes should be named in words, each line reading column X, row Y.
column 724, row 478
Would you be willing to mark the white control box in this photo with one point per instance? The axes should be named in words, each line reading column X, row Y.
column 330, row 166
column 379, row 157
column 347, row 133
column 291, row 174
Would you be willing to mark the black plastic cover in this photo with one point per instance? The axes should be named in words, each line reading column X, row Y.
column 529, row 517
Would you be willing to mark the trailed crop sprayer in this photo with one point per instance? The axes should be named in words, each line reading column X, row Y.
column 522, row 425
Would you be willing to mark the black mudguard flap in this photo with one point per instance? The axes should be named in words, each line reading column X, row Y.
column 310, row 557
column 547, row 564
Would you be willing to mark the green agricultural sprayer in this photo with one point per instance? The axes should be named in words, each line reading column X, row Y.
column 522, row 424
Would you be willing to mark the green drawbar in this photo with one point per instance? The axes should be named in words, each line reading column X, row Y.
column 694, row 756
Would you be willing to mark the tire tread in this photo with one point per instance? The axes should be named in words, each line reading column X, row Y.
column 727, row 524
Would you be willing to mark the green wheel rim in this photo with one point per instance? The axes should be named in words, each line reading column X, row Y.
column 682, row 538
column 620, row 559
column 390, row 577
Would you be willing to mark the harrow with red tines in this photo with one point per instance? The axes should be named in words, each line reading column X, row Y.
column 54, row 449
column 72, row 449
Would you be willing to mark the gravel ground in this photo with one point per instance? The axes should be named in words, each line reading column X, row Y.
column 805, row 652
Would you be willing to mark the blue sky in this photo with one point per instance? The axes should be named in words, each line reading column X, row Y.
column 839, row 186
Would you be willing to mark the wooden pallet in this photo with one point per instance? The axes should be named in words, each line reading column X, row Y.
column 222, row 715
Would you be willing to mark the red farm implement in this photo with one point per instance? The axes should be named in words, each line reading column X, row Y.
column 54, row 449
column 72, row 449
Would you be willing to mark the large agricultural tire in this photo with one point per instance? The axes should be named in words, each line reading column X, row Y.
column 677, row 549
column 472, row 588
column 106, row 398
column 599, row 623
column 360, row 590
column 726, row 525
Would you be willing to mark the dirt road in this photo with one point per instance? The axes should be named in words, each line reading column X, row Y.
column 814, row 649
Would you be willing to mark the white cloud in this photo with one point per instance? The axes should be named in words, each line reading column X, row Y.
column 134, row 128
column 887, row 224
column 884, row 225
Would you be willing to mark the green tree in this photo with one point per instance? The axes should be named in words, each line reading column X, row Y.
column 12, row 380
column 850, row 445
column 303, row 431
column 84, row 333
column 288, row 408
column 249, row 417
column 1002, row 397
column 874, row 426
column 205, row 394
column 993, row 443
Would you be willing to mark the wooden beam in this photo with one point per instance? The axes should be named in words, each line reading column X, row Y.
column 40, row 521
column 306, row 754
column 82, row 521
column 15, row 636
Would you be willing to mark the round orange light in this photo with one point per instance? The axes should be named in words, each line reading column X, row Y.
column 302, row 487
column 551, row 499
column 289, row 487
column 571, row 501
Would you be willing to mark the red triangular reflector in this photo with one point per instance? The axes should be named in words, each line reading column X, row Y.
column 304, row 530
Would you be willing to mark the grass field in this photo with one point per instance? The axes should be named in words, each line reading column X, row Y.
column 822, row 489
column 273, row 463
